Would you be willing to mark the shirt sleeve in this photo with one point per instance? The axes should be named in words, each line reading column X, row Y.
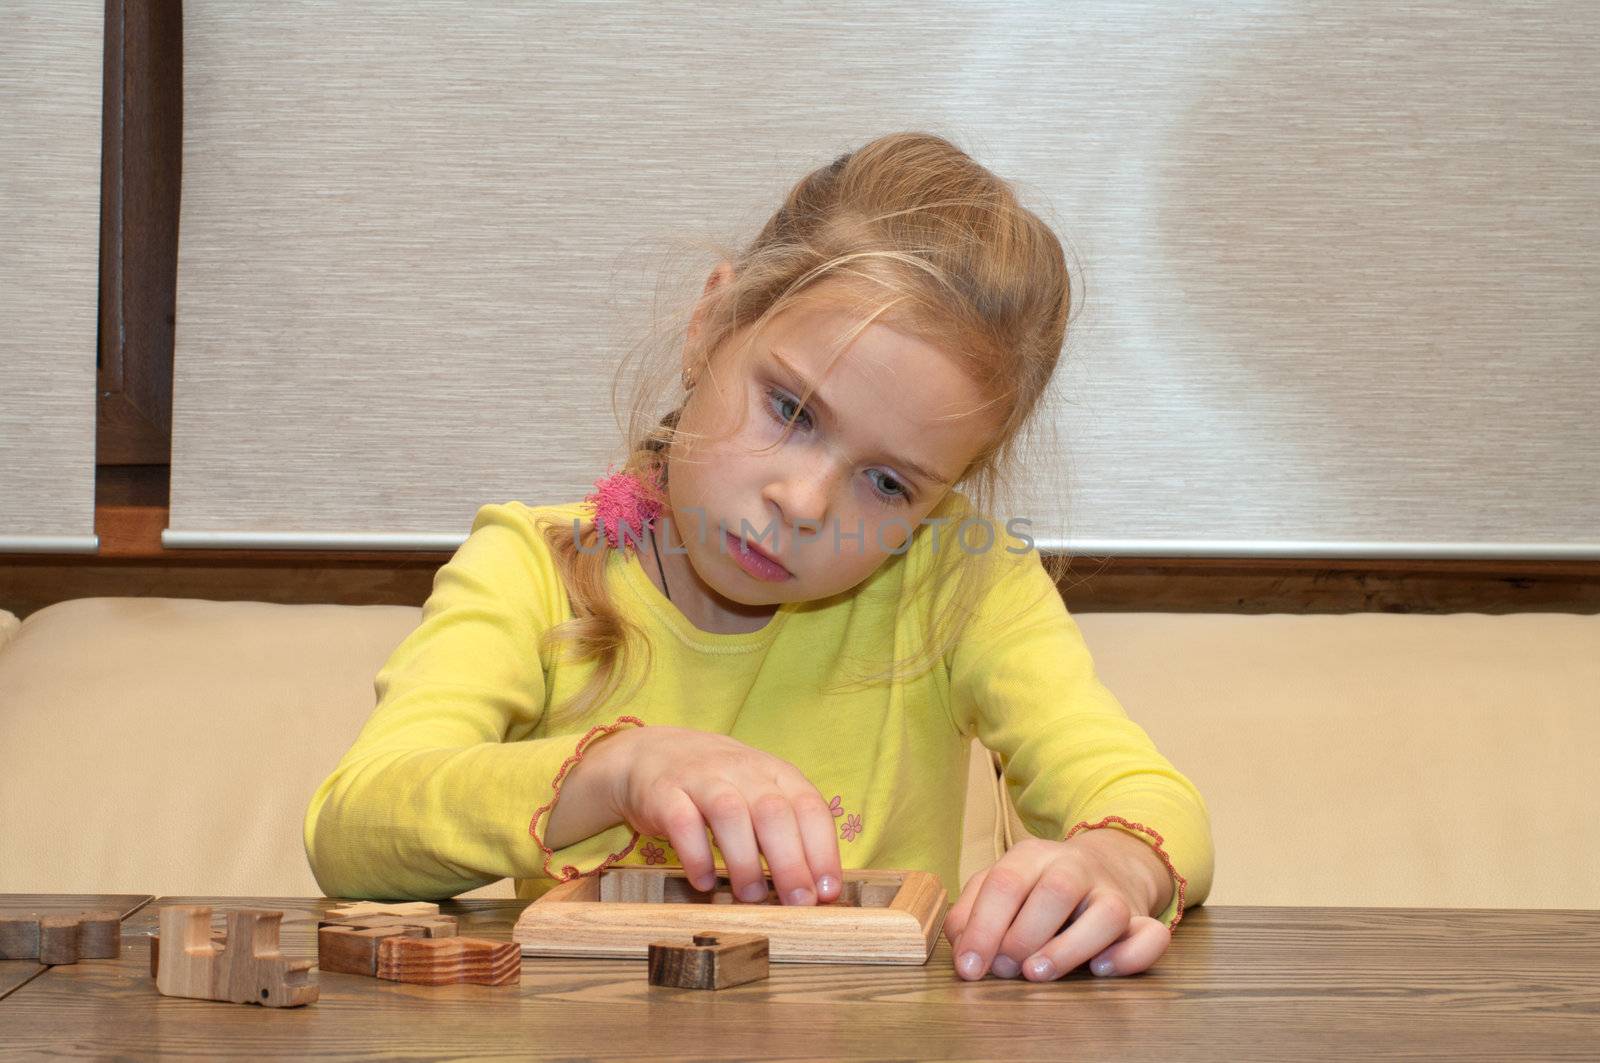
column 1023, row 681
column 438, row 795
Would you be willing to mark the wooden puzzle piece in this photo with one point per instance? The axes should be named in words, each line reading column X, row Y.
column 58, row 939
column 709, row 961
column 351, row 945
column 431, row 926
column 672, row 886
column 218, row 938
column 358, row 909
column 444, row 961
column 246, row 967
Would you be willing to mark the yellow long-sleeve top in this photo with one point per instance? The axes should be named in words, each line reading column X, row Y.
column 438, row 794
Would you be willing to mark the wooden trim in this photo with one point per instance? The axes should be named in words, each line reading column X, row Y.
column 133, row 563
column 133, row 533
column 1320, row 585
column 142, row 163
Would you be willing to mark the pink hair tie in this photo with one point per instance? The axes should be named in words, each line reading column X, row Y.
column 623, row 507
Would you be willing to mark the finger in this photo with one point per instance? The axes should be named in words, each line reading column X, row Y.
column 956, row 919
column 1004, row 890
column 1103, row 917
column 1053, row 902
column 779, row 834
column 819, row 839
column 1144, row 943
column 685, row 828
column 725, row 809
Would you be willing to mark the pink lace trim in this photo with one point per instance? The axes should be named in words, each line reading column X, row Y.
column 1165, row 859
column 568, row 872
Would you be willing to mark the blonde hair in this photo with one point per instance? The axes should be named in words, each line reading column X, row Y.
column 906, row 223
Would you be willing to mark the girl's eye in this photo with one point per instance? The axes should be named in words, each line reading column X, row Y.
column 778, row 399
column 897, row 495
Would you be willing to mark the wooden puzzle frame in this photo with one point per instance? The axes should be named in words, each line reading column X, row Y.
column 881, row 917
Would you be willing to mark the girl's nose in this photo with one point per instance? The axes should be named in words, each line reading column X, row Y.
column 801, row 493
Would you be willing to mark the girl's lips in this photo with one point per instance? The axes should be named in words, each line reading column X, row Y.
column 736, row 543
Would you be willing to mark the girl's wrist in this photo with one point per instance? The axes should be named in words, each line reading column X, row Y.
column 1138, row 862
column 614, row 756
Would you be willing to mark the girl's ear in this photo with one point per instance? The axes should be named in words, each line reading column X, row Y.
column 721, row 275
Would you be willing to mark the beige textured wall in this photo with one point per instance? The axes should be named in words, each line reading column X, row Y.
column 1340, row 257
column 50, row 92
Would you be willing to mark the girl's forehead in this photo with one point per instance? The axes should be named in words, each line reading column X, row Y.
column 818, row 336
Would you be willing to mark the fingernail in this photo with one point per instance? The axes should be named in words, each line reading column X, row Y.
column 1102, row 967
column 753, row 891
column 1042, row 968
column 800, row 895
column 705, row 882
column 827, row 884
column 1004, row 966
column 970, row 964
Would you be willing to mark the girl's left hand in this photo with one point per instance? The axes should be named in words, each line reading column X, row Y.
column 1012, row 913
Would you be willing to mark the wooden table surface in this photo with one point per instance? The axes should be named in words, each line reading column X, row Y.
column 1238, row 983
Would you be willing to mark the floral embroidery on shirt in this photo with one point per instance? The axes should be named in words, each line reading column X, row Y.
column 653, row 854
column 852, row 823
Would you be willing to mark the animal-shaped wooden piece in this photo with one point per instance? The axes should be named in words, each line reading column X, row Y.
column 218, row 938
column 709, row 961
column 58, row 939
column 349, row 944
column 245, row 967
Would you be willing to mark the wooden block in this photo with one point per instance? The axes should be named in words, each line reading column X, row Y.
column 19, row 937
column 191, row 952
column 254, row 970
column 647, row 887
column 349, row 944
column 444, row 961
column 356, row 909
column 709, row 961
column 882, row 916
column 218, row 938
column 246, row 968
column 354, row 950
column 58, row 939
column 100, row 935
column 432, row 926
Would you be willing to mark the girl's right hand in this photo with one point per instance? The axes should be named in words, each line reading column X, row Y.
column 673, row 782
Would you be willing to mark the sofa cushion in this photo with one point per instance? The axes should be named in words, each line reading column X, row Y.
column 1377, row 759
column 8, row 627
column 1362, row 759
column 170, row 746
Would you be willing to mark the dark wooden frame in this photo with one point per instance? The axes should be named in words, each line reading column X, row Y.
column 142, row 165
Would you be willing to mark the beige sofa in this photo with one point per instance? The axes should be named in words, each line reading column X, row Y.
column 169, row 746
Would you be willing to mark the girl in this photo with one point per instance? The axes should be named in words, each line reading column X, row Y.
column 781, row 623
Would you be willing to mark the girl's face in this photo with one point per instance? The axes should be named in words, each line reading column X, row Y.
column 887, row 431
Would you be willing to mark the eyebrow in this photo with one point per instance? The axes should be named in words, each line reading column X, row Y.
column 816, row 402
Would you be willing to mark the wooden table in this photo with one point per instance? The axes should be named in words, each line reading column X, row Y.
column 1237, row 984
